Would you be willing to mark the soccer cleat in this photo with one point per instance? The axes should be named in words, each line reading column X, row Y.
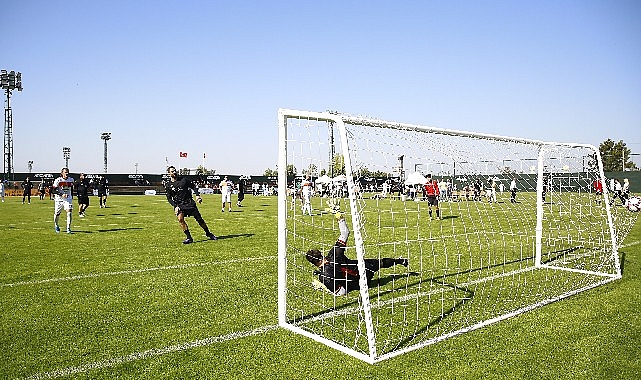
column 188, row 241
column 57, row 229
column 222, row 210
column 339, row 215
column 404, row 262
column 212, row 236
column 68, row 230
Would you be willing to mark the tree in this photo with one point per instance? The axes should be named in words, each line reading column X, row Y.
column 201, row 170
column 364, row 172
column 312, row 171
column 338, row 165
column 616, row 156
column 291, row 170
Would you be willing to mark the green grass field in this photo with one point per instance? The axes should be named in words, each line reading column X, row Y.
column 121, row 297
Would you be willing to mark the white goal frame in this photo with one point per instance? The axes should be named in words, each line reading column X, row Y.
column 373, row 352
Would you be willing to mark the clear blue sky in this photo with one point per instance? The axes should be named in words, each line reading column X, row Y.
column 209, row 76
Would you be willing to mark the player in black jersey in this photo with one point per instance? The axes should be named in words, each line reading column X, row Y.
column 339, row 274
column 178, row 192
column 82, row 194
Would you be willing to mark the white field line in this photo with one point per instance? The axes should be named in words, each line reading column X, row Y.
column 133, row 271
column 150, row 353
column 629, row 244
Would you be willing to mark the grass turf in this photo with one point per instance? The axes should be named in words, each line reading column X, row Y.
column 121, row 297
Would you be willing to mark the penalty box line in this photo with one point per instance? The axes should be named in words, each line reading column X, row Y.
column 150, row 353
column 134, row 271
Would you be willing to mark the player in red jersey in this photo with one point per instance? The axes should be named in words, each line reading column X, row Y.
column 432, row 192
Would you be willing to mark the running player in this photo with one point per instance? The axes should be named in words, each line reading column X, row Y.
column 62, row 190
column 338, row 274
column 178, row 192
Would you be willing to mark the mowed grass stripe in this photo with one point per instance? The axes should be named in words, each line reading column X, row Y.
column 150, row 353
column 142, row 270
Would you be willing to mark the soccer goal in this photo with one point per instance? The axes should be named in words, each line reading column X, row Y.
column 488, row 254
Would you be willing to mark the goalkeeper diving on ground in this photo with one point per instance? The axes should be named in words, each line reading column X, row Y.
column 338, row 274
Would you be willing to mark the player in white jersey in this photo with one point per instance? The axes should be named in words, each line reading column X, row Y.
column 306, row 192
column 226, row 187
column 62, row 188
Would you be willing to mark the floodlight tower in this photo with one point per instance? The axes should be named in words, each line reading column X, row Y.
column 9, row 81
column 106, row 136
column 66, row 154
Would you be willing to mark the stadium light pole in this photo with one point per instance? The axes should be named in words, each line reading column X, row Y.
column 9, row 81
column 66, row 154
column 106, row 136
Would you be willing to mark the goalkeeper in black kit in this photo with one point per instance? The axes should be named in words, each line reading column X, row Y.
column 178, row 192
column 338, row 274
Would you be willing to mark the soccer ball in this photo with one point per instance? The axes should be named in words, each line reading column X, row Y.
column 634, row 204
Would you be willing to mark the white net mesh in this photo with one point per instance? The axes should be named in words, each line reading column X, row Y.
column 472, row 262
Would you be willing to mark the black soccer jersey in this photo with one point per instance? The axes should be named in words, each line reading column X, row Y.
column 82, row 188
column 179, row 192
column 338, row 270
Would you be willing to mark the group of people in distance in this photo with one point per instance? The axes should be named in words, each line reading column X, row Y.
column 62, row 191
column 178, row 191
column 620, row 191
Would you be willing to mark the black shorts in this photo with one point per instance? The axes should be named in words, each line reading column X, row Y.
column 432, row 201
column 83, row 199
column 190, row 210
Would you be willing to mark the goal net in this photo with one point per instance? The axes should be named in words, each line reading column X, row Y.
column 519, row 225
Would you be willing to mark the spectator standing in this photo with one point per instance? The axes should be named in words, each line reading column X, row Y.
column 241, row 192
column 27, row 185
column 82, row 193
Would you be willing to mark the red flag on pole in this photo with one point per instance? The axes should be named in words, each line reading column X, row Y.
column 183, row 154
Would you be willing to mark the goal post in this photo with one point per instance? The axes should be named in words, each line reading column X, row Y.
column 486, row 253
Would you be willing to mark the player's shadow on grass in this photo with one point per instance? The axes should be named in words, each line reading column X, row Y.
column 107, row 230
column 118, row 214
column 233, row 236
column 382, row 281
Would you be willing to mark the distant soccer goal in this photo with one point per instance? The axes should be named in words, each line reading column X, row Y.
column 520, row 224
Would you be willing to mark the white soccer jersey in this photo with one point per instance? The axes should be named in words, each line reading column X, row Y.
column 225, row 187
column 62, row 188
column 307, row 189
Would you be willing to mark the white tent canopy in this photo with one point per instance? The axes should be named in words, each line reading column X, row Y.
column 340, row 178
column 415, row 178
column 324, row 179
